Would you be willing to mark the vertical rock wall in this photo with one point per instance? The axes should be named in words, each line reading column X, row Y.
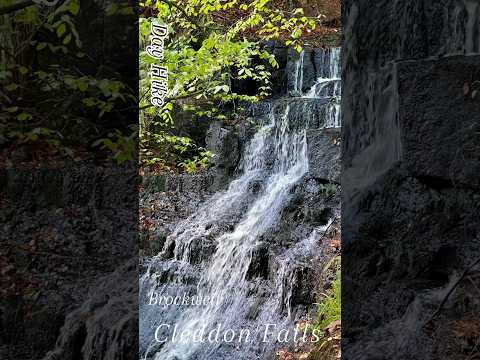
column 411, row 118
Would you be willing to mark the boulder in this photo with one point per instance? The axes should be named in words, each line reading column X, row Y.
column 224, row 144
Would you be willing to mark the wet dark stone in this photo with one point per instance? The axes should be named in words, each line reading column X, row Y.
column 410, row 179
column 302, row 290
column 259, row 264
column 323, row 151
column 202, row 250
column 224, row 144
column 453, row 118
column 255, row 186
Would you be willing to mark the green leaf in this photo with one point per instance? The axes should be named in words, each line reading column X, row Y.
column 61, row 30
column 82, row 86
column 67, row 39
column 41, row 46
column 11, row 109
column 23, row 70
column 41, row 74
column 73, row 7
column 11, row 87
column 24, row 116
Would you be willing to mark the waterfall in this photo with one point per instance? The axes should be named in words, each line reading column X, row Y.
column 328, row 85
column 209, row 255
column 298, row 80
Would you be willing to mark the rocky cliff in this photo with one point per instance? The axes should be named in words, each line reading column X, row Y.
column 410, row 179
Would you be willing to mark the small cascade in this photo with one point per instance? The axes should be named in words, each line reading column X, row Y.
column 329, row 86
column 298, row 79
column 472, row 38
column 210, row 255
column 295, row 258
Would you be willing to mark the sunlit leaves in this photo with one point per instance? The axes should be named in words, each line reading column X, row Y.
column 205, row 57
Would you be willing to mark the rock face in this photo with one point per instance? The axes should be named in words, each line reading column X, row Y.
column 445, row 87
column 410, row 178
column 165, row 200
column 298, row 72
column 324, row 154
column 63, row 228
column 224, row 144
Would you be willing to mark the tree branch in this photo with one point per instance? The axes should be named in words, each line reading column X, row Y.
column 454, row 286
column 188, row 17
column 19, row 5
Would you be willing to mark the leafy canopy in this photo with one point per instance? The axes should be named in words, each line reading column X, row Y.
column 211, row 45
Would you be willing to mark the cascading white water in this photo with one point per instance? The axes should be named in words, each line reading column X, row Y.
column 328, row 85
column 298, row 83
column 276, row 157
column 224, row 278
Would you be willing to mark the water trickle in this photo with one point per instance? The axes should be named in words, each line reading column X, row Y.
column 472, row 26
column 298, row 80
column 294, row 258
column 275, row 157
column 328, row 86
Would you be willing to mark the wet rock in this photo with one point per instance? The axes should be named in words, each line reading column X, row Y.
column 174, row 273
column 254, row 310
column 157, row 243
column 321, row 59
column 299, row 82
column 323, row 151
column 304, row 113
column 183, row 183
column 309, row 71
column 303, row 284
column 454, row 118
column 201, row 249
column 191, row 125
column 279, row 75
column 255, row 187
column 318, row 215
column 224, row 144
column 413, row 30
column 259, row 265
column 410, row 162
